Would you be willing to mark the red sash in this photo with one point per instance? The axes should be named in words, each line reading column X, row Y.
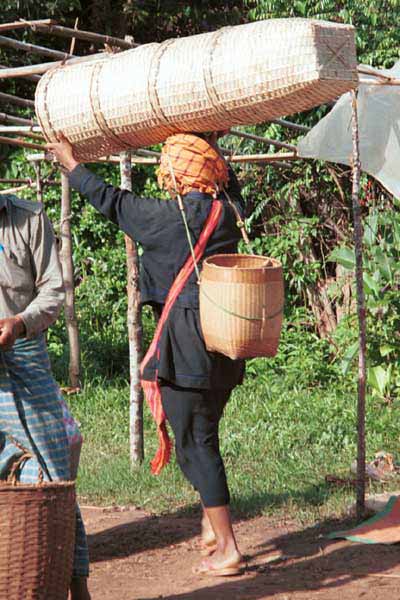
column 151, row 388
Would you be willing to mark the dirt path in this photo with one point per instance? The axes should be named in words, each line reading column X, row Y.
column 136, row 556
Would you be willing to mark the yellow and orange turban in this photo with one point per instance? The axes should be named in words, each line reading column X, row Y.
column 197, row 166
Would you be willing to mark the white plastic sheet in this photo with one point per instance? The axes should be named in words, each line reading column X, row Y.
column 379, row 128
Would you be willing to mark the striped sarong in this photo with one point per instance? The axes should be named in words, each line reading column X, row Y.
column 31, row 412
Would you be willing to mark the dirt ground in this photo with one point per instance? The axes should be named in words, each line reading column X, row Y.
column 136, row 556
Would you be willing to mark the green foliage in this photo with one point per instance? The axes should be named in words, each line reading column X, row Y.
column 376, row 22
column 382, row 286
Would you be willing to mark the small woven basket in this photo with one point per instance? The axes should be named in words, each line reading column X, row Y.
column 241, row 305
column 37, row 537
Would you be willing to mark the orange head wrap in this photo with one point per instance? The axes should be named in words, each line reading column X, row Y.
column 197, row 166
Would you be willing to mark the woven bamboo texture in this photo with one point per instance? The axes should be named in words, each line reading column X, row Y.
column 235, row 76
column 241, row 305
column 37, row 535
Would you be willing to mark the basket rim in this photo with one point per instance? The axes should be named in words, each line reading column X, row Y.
column 276, row 263
column 45, row 485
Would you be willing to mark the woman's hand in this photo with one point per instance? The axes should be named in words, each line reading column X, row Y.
column 63, row 152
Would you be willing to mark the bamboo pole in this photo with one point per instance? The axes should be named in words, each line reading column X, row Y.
column 68, row 277
column 6, row 118
column 291, row 125
column 34, row 78
column 39, row 183
column 262, row 157
column 23, row 132
column 6, row 42
column 18, row 142
column 79, row 34
column 134, row 330
column 361, row 311
column 10, row 99
column 14, row 190
column 20, row 25
column 44, row 67
column 263, row 140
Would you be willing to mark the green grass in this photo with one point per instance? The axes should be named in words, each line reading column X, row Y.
column 290, row 424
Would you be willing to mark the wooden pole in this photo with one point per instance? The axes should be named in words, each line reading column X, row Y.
column 263, row 140
column 44, row 67
column 20, row 25
column 18, row 142
column 68, row 276
column 34, row 78
column 10, row 99
column 291, row 125
column 6, row 42
column 361, row 312
column 134, row 330
column 39, row 183
column 79, row 34
column 6, row 118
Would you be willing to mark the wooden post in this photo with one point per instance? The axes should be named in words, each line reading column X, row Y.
column 68, row 276
column 358, row 242
column 39, row 184
column 134, row 330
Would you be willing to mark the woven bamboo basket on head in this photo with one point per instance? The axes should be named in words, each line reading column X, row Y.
column 238, row 75
column 37, row 536
column 241, row 305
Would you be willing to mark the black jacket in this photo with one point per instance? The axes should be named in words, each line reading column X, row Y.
column 158, row 226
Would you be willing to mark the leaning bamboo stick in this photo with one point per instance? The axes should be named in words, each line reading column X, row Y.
column 13, row 129
column 379, row 81
column 34, row 78
column 291, row 125
column 262, row 157
column 18, row 142
column 263, row 140
column 79, row 34
column 15, row 190
column 17, row 131
column 6, row 42
column 11, row 99
column 134, row 330
column 68, row 277
column 6, row 118
column 20, row 25
column 361, row 311
column 44, row 67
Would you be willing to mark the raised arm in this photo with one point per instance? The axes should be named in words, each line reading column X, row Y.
column 140, row 218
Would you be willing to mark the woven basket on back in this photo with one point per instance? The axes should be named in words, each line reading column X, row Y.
column 241, row 305
column 37, row 536
column 237, row 75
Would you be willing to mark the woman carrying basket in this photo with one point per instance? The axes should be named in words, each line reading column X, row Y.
column 183, row 382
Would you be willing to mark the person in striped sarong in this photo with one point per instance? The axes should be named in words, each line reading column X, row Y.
column 31, row 412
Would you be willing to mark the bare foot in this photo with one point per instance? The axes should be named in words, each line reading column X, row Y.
column 222, row 563
column 79, row 589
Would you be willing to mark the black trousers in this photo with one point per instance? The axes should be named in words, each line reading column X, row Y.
column 194, row 416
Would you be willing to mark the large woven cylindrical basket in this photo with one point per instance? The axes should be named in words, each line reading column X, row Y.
column 37, row 535
column 238, row 75
column 241, row 305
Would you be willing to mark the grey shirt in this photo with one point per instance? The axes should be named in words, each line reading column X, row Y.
column 31, row 283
